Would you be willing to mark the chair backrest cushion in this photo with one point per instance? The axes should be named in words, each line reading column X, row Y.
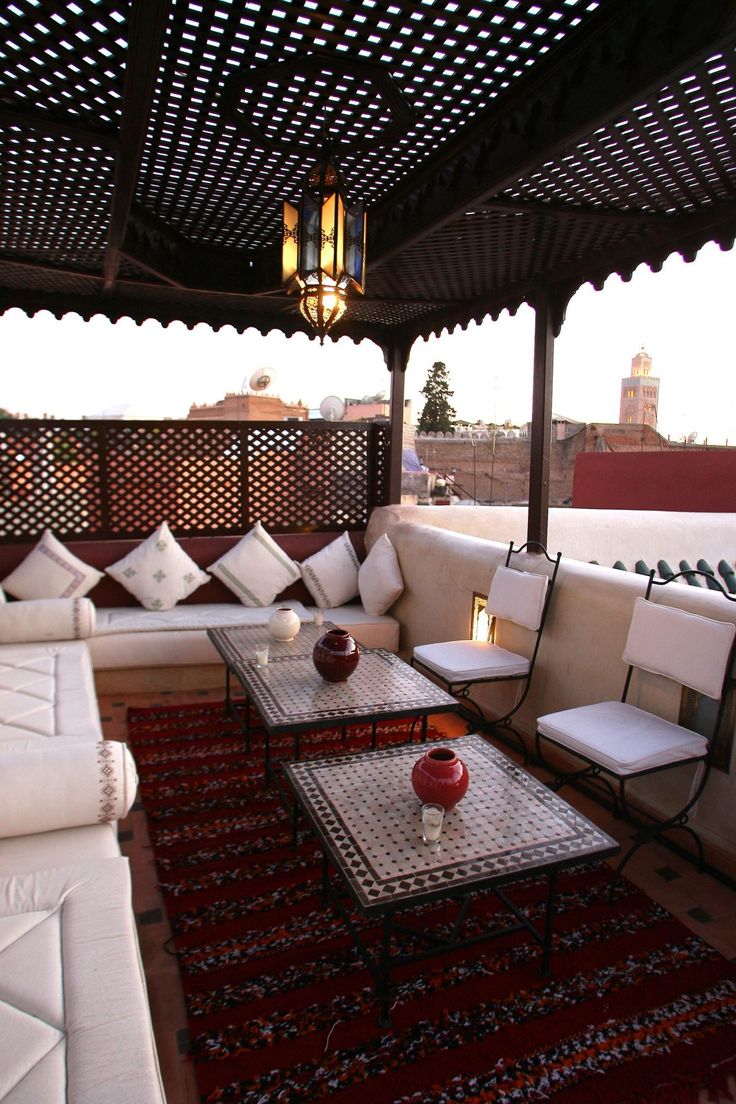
column 691, row 649
column 517, row 596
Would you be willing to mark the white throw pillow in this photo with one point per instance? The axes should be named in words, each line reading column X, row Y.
column 256, row 569
column 159, row 573
column 379, row 577
column 331, row 575
column 51, row 571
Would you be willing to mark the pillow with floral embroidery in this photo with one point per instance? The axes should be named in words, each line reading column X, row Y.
column 159, row 573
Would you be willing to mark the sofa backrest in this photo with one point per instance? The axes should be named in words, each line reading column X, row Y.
column 203, row 550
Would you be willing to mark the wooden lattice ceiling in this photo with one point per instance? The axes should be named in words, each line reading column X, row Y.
column 501, row 146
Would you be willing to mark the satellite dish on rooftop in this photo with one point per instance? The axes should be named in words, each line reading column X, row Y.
column 332, row 408
column 261, row 379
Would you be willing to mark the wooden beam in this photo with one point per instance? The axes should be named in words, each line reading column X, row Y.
column 145, row 44
column 583, row 85
column 541, row 426
column 59, row 128
column 577, row 213
column 396, row 355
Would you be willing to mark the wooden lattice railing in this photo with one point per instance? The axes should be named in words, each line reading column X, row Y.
column 103, row 479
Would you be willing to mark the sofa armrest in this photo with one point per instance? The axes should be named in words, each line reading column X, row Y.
column 65, row 784
column 46, row 619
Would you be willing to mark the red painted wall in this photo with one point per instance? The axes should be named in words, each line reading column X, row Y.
column 698, row 480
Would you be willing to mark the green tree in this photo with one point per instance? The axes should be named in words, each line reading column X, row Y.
column 437, row 415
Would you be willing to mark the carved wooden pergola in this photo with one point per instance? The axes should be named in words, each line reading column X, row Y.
column 508, row 151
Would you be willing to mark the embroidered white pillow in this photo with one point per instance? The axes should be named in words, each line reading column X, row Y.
column 50, row 570
column 331, row 575
column 379, row 577
column 159, row 573
column 256, row 569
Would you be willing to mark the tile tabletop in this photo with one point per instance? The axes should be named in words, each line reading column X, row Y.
column 289, row 692
column 368, row 817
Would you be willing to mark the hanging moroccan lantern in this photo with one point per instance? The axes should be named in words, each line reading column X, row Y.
column 323, row 254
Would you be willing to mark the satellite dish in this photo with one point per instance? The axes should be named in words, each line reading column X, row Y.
column 332, row 409
column 692, row 437
column 261, row 379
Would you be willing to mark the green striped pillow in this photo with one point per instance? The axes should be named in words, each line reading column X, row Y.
column 256, row 569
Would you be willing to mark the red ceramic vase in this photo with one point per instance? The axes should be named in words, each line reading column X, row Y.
column 440, row 777
column 336, row 655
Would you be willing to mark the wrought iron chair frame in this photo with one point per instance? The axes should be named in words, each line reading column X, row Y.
column 461, row 688
column 647, row 826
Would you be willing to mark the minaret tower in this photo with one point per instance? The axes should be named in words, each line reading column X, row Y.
column 640, row 393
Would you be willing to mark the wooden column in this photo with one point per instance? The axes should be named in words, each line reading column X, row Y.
column 541, row 427
column 396, row 355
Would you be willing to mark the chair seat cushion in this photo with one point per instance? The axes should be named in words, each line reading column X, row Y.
column 470, row 660
column 621, row 738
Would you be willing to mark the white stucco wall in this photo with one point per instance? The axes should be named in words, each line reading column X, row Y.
column 602, row 535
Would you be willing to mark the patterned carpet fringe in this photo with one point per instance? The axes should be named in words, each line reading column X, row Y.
column 282, row 1011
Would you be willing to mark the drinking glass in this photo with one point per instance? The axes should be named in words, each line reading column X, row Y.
column 262, row 656
column 432, row 817
column 319, row 616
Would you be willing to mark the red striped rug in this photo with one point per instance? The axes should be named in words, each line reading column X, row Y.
column 282, row 1011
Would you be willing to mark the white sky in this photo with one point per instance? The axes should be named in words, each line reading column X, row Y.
column 683, row 316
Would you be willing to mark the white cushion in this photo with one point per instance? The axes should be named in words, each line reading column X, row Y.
column 621, row 737
column 159, row 573
column 51, row 571
column 467, row 660
column 47, row 690
column 22, row 854
column 74, row 1019
column 129, row 638
column 256, row 570
column 517, row 596
column 691, row 649
column 64, row 784
column 197, row 615
column 46, row 619
column 379, row 577
column 331, row 575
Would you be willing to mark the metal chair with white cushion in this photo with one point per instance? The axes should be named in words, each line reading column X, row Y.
column 618, row 742
column 521, row 597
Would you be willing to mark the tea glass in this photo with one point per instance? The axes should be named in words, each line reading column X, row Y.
column 432, row 817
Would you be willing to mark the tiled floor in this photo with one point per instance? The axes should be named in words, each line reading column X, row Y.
column 702, row 903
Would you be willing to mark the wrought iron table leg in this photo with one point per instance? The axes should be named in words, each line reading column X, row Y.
column 228, row 710
column 247, row 724
column 374, row 730
column 383, row 975
column 425, row 723
column 325, row 880
column 549, row 917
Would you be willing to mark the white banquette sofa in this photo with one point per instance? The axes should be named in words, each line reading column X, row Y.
column 74, row 1019
column 140, row 625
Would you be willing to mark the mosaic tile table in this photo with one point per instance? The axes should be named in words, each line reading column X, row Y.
column 290, row 696
column 508, row 826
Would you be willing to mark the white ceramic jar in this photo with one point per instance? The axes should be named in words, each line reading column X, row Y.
column 284, row 624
